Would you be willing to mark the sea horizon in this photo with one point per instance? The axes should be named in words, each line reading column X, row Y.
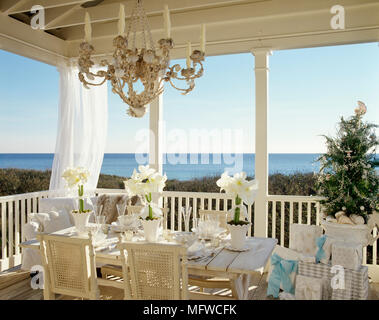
column 178, row 166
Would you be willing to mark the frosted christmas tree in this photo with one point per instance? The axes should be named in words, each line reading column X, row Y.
column 348, row 179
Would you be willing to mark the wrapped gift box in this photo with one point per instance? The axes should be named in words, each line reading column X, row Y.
column 356, row 281
column 286, row 254
column 303, row 238
column 348, row 255
column 309, row 288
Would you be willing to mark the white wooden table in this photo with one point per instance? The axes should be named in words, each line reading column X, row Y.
column 236, row 266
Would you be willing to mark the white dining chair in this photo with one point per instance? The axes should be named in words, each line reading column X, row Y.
column 157, row 271
column 69, row 266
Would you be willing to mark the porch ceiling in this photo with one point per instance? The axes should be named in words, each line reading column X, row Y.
column 233, row 26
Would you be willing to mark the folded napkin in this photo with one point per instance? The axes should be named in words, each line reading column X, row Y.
column 196, row 250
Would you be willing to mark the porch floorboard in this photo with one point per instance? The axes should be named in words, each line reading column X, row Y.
column 15, row 285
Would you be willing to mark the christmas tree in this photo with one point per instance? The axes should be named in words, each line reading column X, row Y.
column 348, row 179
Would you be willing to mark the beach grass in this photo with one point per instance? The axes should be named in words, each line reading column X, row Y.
column 18, row 181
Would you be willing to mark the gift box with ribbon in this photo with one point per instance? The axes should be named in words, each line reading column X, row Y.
column 282, row 276
column 347, row 255
column 303, row 238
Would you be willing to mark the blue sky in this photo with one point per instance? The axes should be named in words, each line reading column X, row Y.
column 309, row 90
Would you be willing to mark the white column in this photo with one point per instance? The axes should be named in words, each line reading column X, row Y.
column 156, row 140
column 261, row 154
column 156, row 134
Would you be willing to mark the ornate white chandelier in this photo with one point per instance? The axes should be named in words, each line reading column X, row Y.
column 146, row 65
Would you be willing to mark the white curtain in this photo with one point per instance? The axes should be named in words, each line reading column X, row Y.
column 82, row 129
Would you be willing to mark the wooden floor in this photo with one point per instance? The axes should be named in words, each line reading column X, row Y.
column 15, row 285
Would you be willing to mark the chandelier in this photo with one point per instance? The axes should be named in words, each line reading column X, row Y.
column 145, row 67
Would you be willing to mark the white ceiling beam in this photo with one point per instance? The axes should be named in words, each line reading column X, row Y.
column 179, row 19
column 20, row 38
column 8, row 5
column 97, row 14
column 110, row 11
column 54, row 15
column 47, row 4
column 276, row 42
column 275, row 30
column 225, row 15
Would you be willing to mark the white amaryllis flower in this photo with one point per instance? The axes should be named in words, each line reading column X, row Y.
column 225, row 182
column 249, row 191
column 239, row 186
column 155, row 183
column 133, row 187
column 145, row 181
column 75, row 176
column 145, row 172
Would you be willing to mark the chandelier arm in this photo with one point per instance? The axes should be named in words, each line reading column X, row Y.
column 184, row 91
column 87, row 83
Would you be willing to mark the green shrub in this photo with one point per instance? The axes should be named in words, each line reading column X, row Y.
column 17, row 181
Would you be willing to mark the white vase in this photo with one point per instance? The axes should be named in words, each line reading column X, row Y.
column 238, row 235
column 151, row 229
column 81, row 221
column 346, row 232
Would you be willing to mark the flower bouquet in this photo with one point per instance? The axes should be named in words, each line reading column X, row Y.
column 145, row 183
column 76, row 178
column 243, row 191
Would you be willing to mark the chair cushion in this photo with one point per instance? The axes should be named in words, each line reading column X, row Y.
column 31, row 230
column 63, row 203
column 51, row 221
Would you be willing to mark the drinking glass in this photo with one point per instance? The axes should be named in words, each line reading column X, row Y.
column 121, row 209
column 97, row 210
column 186, row 213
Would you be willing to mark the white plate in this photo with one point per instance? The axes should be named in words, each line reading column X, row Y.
column 246, row 247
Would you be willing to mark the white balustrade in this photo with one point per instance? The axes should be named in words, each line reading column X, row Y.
column 14, row 212
column 282, row 211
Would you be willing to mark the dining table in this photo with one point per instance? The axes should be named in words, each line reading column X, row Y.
column 217, row 261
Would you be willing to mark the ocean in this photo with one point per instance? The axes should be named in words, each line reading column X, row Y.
column 177, row 166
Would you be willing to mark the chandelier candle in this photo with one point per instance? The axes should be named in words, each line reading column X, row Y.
column 121, row 21
column 87, row 28
column 189, row 49
column 203, row 38
column 167, row 22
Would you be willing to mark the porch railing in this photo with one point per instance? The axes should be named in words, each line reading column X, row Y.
column 281, row 212
column 14, row 211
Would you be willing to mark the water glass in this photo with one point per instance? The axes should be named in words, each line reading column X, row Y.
column 121, row 209
column 186, row 213
column 98, row 209
column 100, row 220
